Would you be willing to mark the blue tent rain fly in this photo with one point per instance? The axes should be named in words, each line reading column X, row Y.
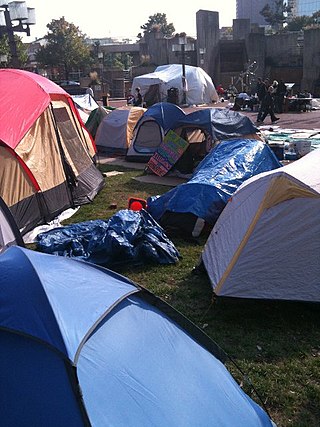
column 217, row 177
column 220, row 123
column 83, row 346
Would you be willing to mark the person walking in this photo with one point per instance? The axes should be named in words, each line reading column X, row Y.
column 262, row 88
column 279, row 97
column 267, row 106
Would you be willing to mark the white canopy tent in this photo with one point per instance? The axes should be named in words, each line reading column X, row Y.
column 199, row 86
column 266, row 242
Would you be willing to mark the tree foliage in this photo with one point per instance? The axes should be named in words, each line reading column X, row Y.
column 276, row 15
column 123, row 61
column 298, row 23
column 22, row 50
column 65, row 47
column 301, row 22
column 158, row 22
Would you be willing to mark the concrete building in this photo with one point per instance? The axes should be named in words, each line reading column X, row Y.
column 234, row 56
column 250, row 9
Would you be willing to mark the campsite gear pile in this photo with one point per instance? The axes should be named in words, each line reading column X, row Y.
column 266, row 242
column 127, row 237
column 290, row 144
column 81, row 345
column 214, row 181
column 46, row 153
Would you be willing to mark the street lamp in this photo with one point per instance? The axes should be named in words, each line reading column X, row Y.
column 22, row 16
column 183, row 46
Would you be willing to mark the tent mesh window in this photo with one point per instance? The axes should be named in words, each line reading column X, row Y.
column 73, row 144
column 149, row 137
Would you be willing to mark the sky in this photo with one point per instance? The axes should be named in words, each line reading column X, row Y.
column 122, row 19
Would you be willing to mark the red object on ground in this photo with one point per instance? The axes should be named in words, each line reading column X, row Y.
column 137, row 204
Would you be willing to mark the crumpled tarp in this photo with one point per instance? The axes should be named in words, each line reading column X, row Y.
column 127, row 237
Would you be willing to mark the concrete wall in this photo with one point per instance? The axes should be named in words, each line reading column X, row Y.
column 256, row 48
column 284, row 49
column 241, row 29
column 156, row 48
column 208, row 42
column 311, row 61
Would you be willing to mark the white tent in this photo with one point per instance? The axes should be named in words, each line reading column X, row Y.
column 266, row 242
column 199, row 90
column 114, row 133
column 85, row 104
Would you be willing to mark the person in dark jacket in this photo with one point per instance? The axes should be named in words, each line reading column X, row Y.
column 267, row 106
column 262, row 89
column 279, row 97
column 137, row 98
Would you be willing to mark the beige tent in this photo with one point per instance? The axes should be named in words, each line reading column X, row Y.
column 114, row 133
column 266, row 242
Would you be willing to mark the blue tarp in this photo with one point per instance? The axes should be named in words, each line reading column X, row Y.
column 78, row 339
column 127, row 237
column 217, row 177
column 220, row 123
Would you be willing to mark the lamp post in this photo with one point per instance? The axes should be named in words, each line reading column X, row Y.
column 183, row 46
column 15, row 17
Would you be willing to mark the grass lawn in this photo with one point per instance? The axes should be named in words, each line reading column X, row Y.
column 276, row 344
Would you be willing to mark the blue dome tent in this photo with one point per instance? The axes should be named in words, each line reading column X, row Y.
column 151, row 128
column 82, row 346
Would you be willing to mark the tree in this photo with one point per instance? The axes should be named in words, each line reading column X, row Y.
column 276, row 16
column 65, row 48
column 123, row 61
column 302, row 22
column 315, row 19
column 299, row 23
column 22, row 49
column 157, row 22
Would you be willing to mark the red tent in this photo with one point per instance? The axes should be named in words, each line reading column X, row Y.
column 46, row 155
